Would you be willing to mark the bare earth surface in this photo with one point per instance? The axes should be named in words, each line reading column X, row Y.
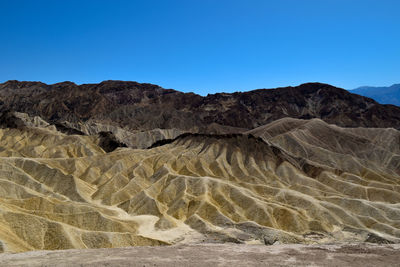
column 345, row 254
column 109, row 174
column 291, row 181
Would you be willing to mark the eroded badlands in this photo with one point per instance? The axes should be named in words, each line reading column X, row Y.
column 291, row 181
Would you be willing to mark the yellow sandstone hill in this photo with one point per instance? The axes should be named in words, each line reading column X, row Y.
column 291, row 181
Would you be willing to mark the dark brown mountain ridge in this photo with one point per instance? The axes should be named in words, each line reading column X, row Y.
column 143, row 106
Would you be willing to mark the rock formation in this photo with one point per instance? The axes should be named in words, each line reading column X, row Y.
column 84, row 176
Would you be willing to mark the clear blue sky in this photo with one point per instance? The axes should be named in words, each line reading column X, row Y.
column 203, row 46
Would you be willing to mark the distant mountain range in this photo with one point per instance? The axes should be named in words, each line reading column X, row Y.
column 383, row 95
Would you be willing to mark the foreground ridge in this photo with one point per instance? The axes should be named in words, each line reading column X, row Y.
column 290, row 181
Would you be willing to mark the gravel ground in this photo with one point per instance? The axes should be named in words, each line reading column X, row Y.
column 214, row 255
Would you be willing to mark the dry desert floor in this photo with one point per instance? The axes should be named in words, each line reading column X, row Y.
column 345, row 254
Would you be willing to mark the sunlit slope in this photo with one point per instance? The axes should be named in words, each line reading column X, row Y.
column 59, row 191
column 366, row 152
column 44, row 207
